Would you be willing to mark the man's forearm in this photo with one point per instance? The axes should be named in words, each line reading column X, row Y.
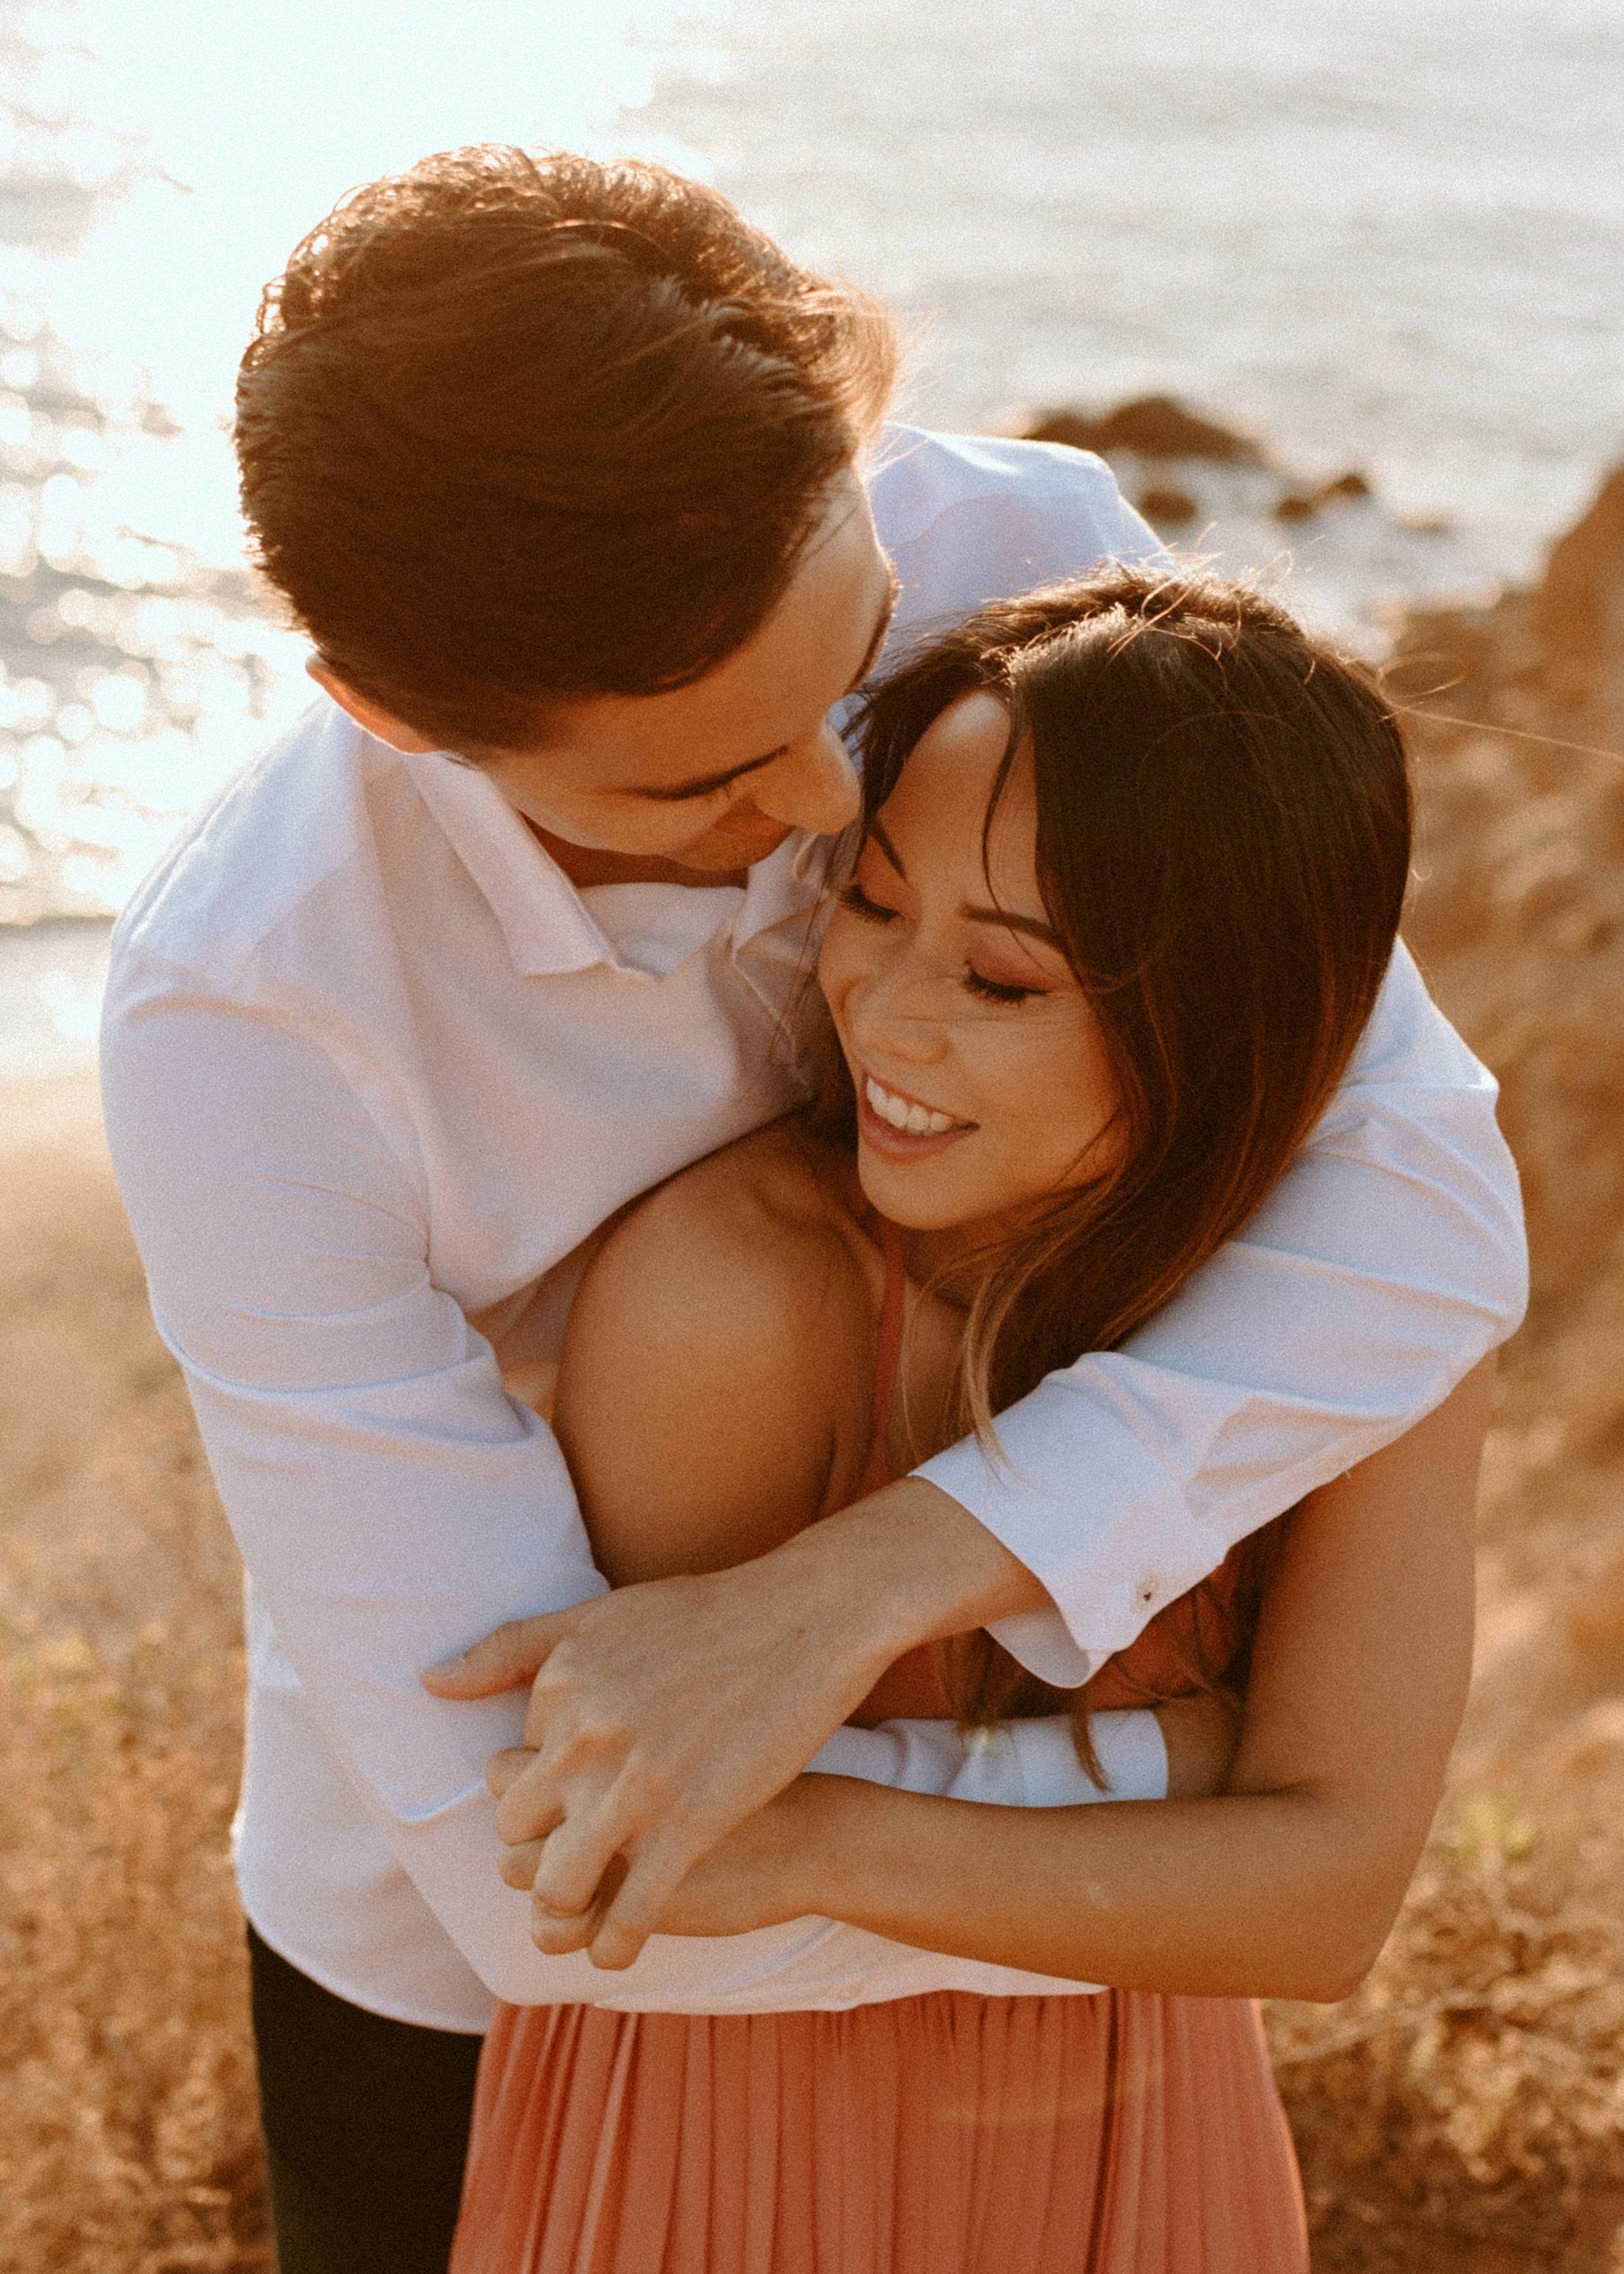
column 780, row 1649
column 905, row 1566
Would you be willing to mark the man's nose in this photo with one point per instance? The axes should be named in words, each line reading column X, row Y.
column 813, row 785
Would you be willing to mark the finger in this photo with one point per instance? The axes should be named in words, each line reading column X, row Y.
column 518, row 1868
column 625, row 1923
column 506, row 1768
column 579, row 1853
column 528, row 1811
column 558, row 1937
column 512, row 1654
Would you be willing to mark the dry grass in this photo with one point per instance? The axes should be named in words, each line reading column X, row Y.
column 1466, row 2108
column 1466, row 2111
column 127, row 2135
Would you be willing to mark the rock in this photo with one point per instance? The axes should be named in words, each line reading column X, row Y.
column 1165, row 507
column 1593, row 1742
column 1515, row 715
column 1578, row 610
column 1596, row 1621
column 1153, row 425
column 1301, row 505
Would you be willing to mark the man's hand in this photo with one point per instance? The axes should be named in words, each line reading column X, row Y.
column 664, row 1715
column 764, row 1870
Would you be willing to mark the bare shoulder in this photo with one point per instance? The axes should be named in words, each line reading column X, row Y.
column 752, row 1241
column 719, row 1360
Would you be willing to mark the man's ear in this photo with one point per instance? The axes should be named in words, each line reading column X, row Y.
column 367, row 713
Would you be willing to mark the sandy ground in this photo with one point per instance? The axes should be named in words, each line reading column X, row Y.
column 1442, row 2114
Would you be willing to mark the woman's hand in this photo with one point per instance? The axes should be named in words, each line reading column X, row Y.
column 776, row 1864
column 767, row 1868
column 764, row 1872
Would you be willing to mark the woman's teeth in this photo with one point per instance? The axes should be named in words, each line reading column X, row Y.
column 917, row 1120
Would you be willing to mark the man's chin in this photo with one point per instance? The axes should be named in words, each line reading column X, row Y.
column 721, row 852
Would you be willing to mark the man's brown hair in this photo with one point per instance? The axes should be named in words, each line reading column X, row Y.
column 522, row 428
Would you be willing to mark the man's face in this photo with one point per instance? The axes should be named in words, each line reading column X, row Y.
column 714, row 776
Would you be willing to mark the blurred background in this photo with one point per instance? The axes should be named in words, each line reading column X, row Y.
column 1380, row 238
column 1373, row 248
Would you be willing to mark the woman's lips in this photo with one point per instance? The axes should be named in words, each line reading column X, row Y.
column 893, row 1144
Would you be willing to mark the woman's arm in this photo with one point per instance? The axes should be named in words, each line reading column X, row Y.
column 1285, row 1887
column 713, row 1399
column 713, row 1358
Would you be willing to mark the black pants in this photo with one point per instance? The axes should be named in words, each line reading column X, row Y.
column 365, row 2127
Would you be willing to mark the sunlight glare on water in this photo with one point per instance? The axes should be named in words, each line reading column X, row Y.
column 159, row 159
column 262, row 116
column 247, row 123
column 1383, row 236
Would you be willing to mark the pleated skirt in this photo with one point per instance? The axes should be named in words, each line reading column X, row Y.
column 1126, row 2133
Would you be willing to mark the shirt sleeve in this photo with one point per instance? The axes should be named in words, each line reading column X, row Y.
column 1390, row 1259
column 1031, row 1763
column 970, row 518
column 390, row 1502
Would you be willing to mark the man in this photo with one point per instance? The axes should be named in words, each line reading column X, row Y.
column 569, row 475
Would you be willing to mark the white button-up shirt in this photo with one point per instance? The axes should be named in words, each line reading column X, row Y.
column 374, row 1070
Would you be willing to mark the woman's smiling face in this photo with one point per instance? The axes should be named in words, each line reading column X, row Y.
column 958, row 1015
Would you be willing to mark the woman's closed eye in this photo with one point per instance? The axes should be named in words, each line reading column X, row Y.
column 855, row 899
column 996, row 991
column 857, row 902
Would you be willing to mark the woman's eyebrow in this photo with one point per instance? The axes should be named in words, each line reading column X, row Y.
column 967, row 910
column 1010, row 921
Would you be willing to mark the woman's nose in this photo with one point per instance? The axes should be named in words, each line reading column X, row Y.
column 813, row 785
column 892, row 1013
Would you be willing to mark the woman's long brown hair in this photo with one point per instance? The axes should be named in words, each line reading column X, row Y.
column 1224, row 841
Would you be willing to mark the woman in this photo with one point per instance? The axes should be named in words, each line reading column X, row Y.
column 1134, row 859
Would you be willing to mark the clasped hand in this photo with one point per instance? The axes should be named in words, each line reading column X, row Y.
column 661, row 1717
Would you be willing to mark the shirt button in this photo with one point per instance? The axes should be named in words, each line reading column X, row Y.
column 1145, row 1594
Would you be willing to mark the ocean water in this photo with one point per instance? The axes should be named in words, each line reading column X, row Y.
column 1388, row 232
column 1377, row 235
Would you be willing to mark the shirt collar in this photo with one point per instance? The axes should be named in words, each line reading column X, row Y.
column 544, row 920
column 788, row 884
column 546, row 926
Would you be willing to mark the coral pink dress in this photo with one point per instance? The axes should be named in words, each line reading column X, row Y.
column 1122, row 2133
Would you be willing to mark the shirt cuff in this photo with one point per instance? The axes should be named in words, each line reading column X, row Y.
column 1041, row 1642
column 1112, row 1545
column 1008, row 1765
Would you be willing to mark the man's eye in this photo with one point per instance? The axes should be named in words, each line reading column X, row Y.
column 857, row 900
column 995, row 990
